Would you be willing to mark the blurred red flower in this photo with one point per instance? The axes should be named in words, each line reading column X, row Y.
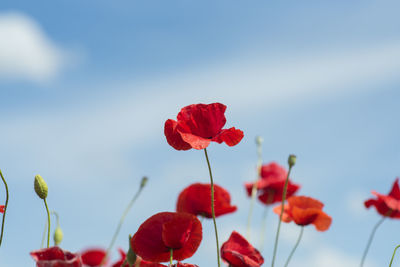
column 163, row 231
column 238, row 252
column 139, row 262
column 199, row 124
column 2, row 208
column 270, row 186
column 93, row 257
column 387, row 205
column 196, row 199
column 55, row 257
column 304, row 211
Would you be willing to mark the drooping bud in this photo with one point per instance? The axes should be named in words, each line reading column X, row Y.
column 41, row 188
column 291, row 160
column 58, row 236
column 143, row 182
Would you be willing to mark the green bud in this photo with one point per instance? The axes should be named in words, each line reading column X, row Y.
column 58, row 236
column 41, row 188
column 259, row 140
column 144, row 181
column 131, row 256
column 291, row 160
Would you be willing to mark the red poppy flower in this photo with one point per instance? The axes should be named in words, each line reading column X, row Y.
column 55, row 257
column 163, row 231
column 240, row 253
column 199, row 124
column 196, row 199
column 304, row 211
column 387, row 205
column 139, row 262
column 270, row 186
column 2, row 208
column 93, row 257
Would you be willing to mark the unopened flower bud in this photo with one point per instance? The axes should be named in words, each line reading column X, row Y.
column 259, row 140
column 144, row 181
column 131, row 256
column 58, row 236
column 291, row 160
column 41, row 188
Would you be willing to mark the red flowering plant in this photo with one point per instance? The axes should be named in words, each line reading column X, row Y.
column 166, row 236
column 94, row 257
column 386, row 205
column 55, row 257
column 2, row 208
column 271, row 184
column 238, row 252
column 304, row 211
column 199, row 124
column 196, row 199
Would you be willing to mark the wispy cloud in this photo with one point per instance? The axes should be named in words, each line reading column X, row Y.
column 26, row 52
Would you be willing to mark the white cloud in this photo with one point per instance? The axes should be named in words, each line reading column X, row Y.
column 25, row 50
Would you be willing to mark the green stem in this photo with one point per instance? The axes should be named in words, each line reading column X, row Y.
column 171, row 256
column 280, row 217
column 122, row 219
column 212, row 205
column 45, row 227
column 370, row 240
column 5, row 207
column 254, row 188
column 264, row 223
column 48, row 223
column 295, row 246
column 394, row 252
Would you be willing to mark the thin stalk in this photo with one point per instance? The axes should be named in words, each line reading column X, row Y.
column 212, row 205
column 394, row 252
column 264, row 222
column 122, row 219
column 48, row 223
column 254, row 187
column 45, row 227
column 280, row 217
column 5, row 207
column 171, row 256
column 295, row 246
column 370, row 240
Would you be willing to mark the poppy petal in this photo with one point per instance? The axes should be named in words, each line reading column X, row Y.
column 323, row 221
column 194, row 141
column 230, row 136
column 174, row 138
column 203, row 120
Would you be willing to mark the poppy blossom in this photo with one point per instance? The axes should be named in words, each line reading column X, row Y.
column 2, row 208
column 199, row 124
column 196, row 199
column 138, row 263
column 93, row 257
column 304, row 211
column 387, row 205
column 55, row 257
column 271, row 184
column 238, row 252
column 179, row 231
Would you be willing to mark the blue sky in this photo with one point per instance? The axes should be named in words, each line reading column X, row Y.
column 87, row 86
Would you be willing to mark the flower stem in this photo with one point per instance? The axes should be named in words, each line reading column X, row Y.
column 264, row 222
column 5, row 207
column 45, row 227
column 295, row 246
column 212, row 205
column 254, row 187
column 48, row 223
column 171, row 256
column 280, row 217
column 394, row 252
column 121, row 221
column 370, row 240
